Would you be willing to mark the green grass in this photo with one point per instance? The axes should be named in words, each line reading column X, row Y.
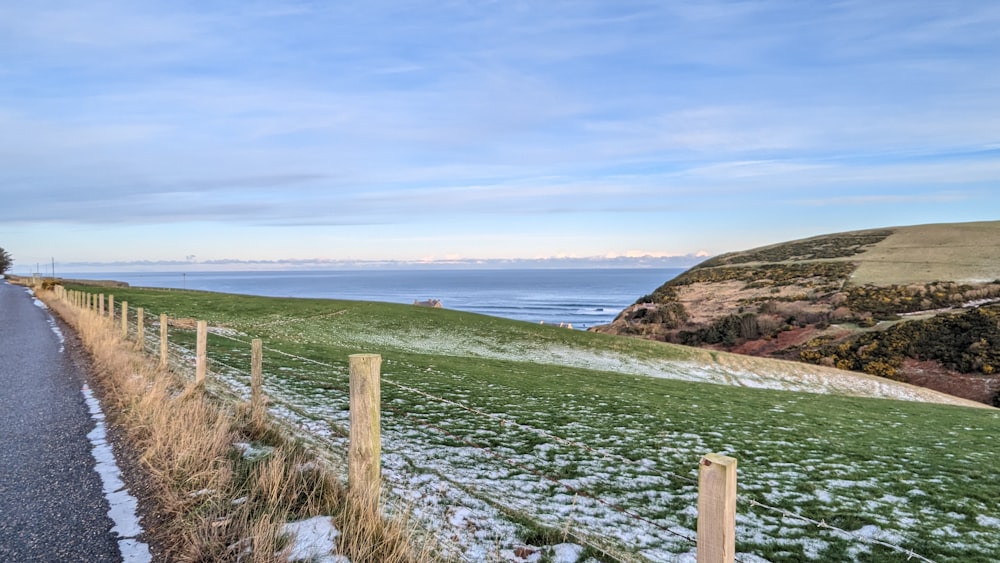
column 917, row 475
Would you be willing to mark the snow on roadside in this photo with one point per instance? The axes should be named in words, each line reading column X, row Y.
column 50, row 319
column 123, row 506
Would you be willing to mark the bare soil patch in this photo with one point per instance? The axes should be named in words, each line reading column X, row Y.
column 782, row 341
column 981, row 388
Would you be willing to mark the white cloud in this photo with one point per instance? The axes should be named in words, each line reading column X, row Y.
column 879, row 199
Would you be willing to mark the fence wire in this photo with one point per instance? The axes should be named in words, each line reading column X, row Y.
column 823, row 525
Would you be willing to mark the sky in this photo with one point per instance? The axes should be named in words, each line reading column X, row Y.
column 287, row 133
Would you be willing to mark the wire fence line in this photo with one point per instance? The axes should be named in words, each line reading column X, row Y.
column 819, row 524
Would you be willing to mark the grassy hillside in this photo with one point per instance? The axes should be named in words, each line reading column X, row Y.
column 546, row 435
column 828, row 299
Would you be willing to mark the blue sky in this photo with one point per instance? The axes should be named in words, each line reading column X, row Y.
column 408, row 130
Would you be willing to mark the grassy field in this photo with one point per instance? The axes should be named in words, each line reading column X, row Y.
column 549, row 436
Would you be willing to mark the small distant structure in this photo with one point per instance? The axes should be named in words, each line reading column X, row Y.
column 433, row 303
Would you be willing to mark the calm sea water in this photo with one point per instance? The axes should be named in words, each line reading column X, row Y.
column 582, row 297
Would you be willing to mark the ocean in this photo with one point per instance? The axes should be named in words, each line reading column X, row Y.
column 581, row 297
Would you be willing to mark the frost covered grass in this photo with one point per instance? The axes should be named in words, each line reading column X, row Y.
column 551, row 437
column 228, row 486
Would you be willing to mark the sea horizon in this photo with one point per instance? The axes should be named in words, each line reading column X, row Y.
column 581, row 297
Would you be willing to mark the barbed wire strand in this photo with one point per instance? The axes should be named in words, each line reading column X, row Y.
column 280, row 352
column 822, row 524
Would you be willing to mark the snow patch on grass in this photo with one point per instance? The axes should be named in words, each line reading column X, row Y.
column 313, row 540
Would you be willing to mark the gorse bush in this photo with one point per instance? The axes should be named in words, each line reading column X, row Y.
column 768, row 274
column 967, row 342
column 819, row 248
column 885, row 301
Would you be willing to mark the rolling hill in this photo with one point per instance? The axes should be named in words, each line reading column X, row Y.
column 919, row 304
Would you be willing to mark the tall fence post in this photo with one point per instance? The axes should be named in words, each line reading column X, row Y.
column 364, row 470
column 140, row 329
column 124, row 319
column 111, row 308
column 717, row 509
column 201, row 352
column 163, row 340
column 100, row 305
column 256, row 378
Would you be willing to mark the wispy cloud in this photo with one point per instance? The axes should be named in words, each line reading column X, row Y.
column 881, row 199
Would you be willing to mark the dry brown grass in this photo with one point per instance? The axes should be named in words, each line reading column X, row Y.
column 213, row 503
column 964, row 252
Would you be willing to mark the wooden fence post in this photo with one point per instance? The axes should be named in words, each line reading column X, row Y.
column 364, row 470
column 124, row 319
column 163, row 340
column 717, row 509
column 201, row 352
column 140, row 329
column 256, row 378
column 111, row 308
column 100, row 305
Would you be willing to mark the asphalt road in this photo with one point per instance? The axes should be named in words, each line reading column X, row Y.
column 51, row 504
